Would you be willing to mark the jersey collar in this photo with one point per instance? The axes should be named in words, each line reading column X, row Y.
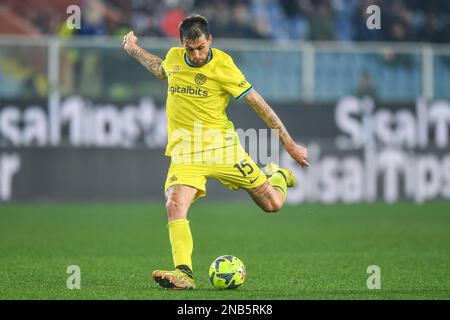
column 189, row 63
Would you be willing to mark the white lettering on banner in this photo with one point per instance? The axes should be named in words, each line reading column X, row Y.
column 398, row 128
column 23, row 127
column 439, row 115
column 352, row 187
column 328, row 177
column 370, row 174
column 35, row 131
column 422, row 123
column 387, row 153
column 9, row 125
column 344, row 114
column 9, row 167
column 109, row 126
column 339, row 180
column 419, row 177
column 391, row 166
column 429, row 178
column 85, row 124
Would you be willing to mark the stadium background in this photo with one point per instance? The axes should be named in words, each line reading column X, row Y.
column 83, row 129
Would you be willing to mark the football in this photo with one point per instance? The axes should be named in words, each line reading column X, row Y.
column 227, row 272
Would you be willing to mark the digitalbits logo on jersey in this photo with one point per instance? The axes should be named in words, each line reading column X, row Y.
column 188, row 90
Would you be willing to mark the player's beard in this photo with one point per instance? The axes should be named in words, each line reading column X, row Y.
column 199, row 63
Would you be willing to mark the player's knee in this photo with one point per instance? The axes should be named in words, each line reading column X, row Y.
column 276, row 206
column 273, row 206
column 175, row 210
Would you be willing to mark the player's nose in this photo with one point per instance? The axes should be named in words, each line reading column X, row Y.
column 197, row 54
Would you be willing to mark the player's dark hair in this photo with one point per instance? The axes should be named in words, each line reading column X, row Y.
column 193, row 27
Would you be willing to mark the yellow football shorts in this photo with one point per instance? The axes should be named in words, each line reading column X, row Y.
column 231, row 165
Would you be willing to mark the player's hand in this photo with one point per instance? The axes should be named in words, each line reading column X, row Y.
column 129, row 42
column 299, row 154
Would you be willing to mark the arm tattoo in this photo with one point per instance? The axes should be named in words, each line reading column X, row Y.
column 151, row 62
column 266, row 113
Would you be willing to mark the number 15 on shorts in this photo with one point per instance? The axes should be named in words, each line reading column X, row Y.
column 241, row 166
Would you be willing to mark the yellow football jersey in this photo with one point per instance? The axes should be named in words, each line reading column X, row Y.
column 196, row 101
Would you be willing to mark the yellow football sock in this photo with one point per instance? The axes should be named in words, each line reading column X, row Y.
column 277, row 181
column 181, row 241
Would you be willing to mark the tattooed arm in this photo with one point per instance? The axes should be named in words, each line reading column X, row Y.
column 298, row 153
column 151, row 62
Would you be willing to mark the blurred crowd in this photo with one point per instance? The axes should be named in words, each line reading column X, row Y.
column 344, row 20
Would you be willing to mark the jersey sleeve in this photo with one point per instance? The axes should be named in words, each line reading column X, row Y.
column 233, row 80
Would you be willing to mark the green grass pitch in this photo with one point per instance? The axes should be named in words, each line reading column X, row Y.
column 303, row 252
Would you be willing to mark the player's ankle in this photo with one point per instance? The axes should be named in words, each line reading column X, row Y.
column 186, row 270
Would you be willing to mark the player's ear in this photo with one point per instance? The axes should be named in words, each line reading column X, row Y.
column 210, row 39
